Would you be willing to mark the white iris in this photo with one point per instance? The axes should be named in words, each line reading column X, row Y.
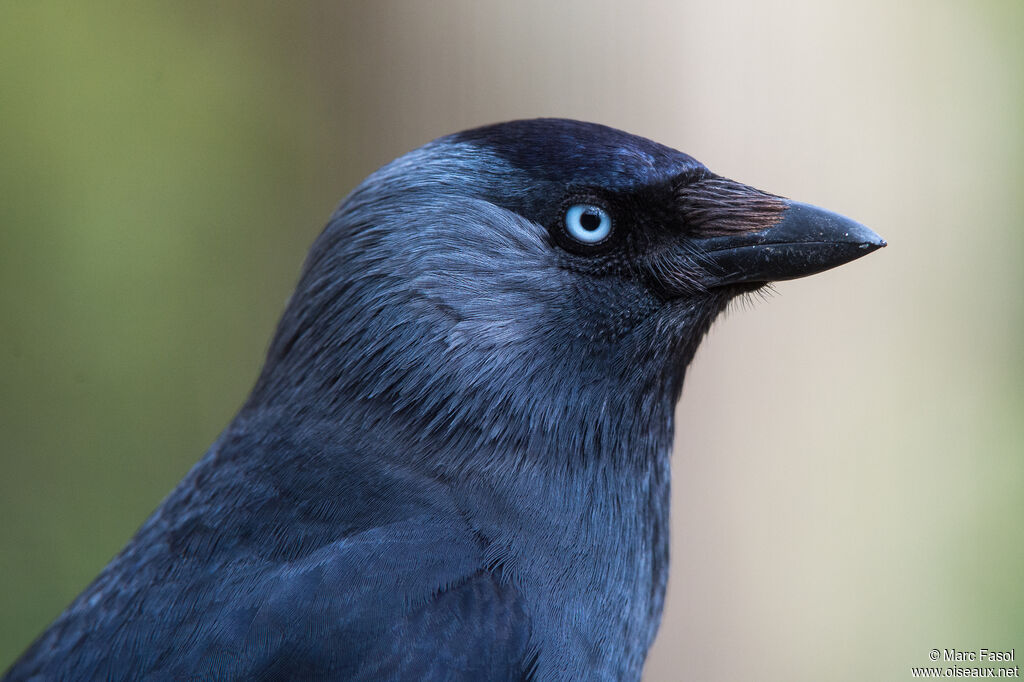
column 588, row 223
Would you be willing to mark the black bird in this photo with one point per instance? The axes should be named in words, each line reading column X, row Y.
column 455, row 462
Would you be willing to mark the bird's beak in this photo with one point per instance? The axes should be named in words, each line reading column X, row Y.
column 804, row 240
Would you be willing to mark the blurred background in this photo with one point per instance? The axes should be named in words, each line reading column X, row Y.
column 849, row 469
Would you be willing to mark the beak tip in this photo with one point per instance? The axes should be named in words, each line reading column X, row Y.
column 874, row 241
column 872, row 244
column 849, row 231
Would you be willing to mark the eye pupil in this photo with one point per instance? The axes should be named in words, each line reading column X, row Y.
column 590, row 221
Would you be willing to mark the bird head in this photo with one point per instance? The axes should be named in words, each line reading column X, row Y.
column 532, row 285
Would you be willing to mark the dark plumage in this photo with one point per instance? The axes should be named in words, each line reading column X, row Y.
column 455, row 463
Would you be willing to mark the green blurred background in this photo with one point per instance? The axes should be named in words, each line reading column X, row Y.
column 849, row 479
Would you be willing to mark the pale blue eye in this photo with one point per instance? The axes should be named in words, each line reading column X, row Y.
column 588, row 223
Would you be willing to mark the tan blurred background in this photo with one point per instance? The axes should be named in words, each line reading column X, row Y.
column 849, row 479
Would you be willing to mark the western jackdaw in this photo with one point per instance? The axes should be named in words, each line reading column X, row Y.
column 455, row 462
